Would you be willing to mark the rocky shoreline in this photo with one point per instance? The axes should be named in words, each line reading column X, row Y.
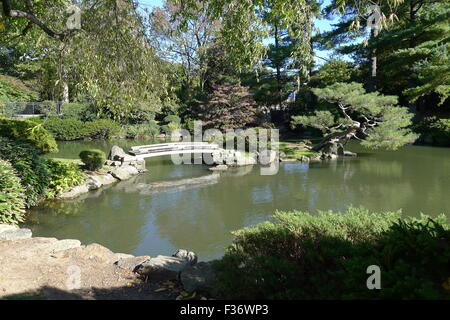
column 48, row 268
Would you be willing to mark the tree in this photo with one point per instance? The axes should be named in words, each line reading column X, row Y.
column 227, row 107
column 186, row 45
column 370, row 117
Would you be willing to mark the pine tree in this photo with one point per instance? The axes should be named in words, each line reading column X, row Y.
column 373, row 118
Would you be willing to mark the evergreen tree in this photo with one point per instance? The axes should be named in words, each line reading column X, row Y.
column 373, row 118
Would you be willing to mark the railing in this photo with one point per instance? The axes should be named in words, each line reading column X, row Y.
column 27, row 108
column 172, row 148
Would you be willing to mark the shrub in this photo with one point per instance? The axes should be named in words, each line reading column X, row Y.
column 93, row 159
column 300, row 256
column 12, row 195
column 140, row 131
column 75, row 111
column 437, row 130
column 63, row 176
column 48, row 109
column 66, row 129
column 30, row 167
column 29, row 132
column 172, row 118
column 102, row 129
column 71, row 129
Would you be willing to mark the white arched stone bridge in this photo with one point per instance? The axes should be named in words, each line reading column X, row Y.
column 164, row 149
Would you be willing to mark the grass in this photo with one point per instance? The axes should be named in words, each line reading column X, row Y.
column 295, row 150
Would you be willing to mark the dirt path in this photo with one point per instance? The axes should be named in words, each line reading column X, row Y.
column 47, row 268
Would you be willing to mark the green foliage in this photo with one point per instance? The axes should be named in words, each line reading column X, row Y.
column 12, row 195
column 172, row 118
column 71, row 129
column 48, row 109
column 373, row 116
column 75, row 110
column 93, row 158
column 14, row 90
column 63, row 176
column 435, row 129
column 141, row 131
column 331, row 72
column 29, row 132
column 325, row 256
column 66, row 129
column 30, row 167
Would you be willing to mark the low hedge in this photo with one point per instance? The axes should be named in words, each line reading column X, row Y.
column 71, row 129
column 326, row 256
column 12, row 195
column 28, row 132
column 93, row 158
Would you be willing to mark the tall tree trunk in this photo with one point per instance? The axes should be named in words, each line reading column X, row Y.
column 373, row 66
column 278, row 67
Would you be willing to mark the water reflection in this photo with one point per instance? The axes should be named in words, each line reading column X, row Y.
column 134, row 217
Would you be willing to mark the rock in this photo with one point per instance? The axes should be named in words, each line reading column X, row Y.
column 116, row 154
column 282, row 155
column 92, row 251
column 7, row 227
column 330, row 148
column 316, row 158
column 106, row 179
column 189, row 256
column 162, row 268
column 304, row 159
column 267, row 157
column 139, row 165
column 350, row 154
column 220, row 167
column 242, row 159
column 75, row 192
column 15, row 234
column 65, row 244
column 124, row 173
column 200, row 278
column 131, row 263
column 93, row 183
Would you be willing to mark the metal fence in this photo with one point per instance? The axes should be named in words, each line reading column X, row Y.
column 30, row 108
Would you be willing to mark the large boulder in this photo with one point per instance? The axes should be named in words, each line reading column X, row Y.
column 7, row 227
column 131, row 263
column 200, row 278
column 267, row 157
column 162, row 268
column 15, row 234
column 124, row 172
column 117, row 154
column 220, row 167
column 75, row 192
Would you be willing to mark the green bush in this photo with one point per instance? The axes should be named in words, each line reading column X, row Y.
column 93, row 158
column 75, row 111
column 63, row 176
column 141, row 131
column 300, row 256
column 12, row 195
column 66, row 129
column 30, row 167
column 71, row 129
column 172, row 118
column 102, row 129
column 48, row 109
column 434, row 130
column 29, row 132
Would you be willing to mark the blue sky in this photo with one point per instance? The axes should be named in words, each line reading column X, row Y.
column 322, row 24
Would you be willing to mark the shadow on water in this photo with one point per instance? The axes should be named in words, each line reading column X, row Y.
column 128, row 217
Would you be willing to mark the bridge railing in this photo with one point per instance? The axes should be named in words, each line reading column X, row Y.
column 178, row 146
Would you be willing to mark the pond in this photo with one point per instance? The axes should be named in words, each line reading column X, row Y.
column 200, row 217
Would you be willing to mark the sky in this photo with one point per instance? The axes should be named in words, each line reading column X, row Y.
column 322, row 24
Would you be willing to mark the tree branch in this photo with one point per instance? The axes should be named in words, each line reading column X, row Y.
column 9, row 12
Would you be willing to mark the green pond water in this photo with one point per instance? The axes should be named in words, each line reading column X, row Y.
column 139, row 221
